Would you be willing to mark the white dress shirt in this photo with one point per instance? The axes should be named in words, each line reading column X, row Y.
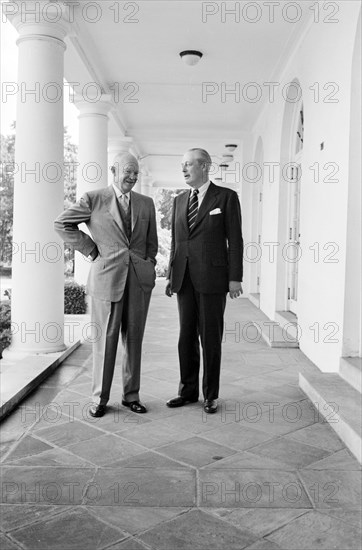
column 202, row 191
column 124, row 198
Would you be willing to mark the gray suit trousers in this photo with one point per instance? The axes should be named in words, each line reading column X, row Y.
column 127, row 318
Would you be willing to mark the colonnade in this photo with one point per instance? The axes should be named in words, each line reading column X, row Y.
column 38, row 266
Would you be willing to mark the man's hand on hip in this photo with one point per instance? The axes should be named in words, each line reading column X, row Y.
column 94, row 254
column 235, row 289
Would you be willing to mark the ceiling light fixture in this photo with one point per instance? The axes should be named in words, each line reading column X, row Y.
column 191, row 57
column 223, row 166
column 228, row 158
column 231, row 147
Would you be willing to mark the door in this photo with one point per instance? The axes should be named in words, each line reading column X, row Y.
column 293, row 249
column 259, row 229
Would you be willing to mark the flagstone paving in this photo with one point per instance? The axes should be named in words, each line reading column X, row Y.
column 266, row 472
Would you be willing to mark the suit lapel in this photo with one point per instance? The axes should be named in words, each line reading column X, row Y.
column 113, row 208
column 184, row 204
column 208, row 202
column 135, row 208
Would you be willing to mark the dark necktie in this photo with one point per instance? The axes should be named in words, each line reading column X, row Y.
column 193, row 209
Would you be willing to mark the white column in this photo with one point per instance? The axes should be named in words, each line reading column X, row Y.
column 246, row 156
column 93, row 141
column 92, row 172
column 38, row 266
column 147, row 185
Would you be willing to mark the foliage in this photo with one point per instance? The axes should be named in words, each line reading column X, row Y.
column 5, row 324
column 164, row 244
column 164, row 202
column 70, row 192
column 7, row 193
column 74, row 298
column 70, row 172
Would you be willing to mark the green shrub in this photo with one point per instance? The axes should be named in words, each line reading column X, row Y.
column 74, row 298
column 5, row 324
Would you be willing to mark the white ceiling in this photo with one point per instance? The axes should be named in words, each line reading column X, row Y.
column 170, row 115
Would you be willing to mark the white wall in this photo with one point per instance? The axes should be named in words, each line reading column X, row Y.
column 353, row 302
column 323, row 56
column 246, row 210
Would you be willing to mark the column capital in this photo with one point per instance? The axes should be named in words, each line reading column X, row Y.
column 39, row 20
column 119, row 145
column 99, row 106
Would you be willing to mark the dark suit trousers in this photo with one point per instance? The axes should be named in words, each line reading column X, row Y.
column 201, row 318
column 125, row 318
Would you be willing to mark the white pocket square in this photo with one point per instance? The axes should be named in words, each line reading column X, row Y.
column 216, row 211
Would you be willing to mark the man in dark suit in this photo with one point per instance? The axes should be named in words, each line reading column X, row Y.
column 122, row 247
column 206, row 262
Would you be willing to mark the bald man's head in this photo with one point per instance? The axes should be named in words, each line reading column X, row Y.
column 125, row 171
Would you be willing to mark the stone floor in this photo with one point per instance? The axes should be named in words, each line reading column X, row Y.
column 264, row 473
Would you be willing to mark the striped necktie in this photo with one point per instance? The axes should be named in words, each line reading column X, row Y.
column 193, row 209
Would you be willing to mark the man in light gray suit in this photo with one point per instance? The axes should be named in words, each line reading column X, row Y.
column 122, row 247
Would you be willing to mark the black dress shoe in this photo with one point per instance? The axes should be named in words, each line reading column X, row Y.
column 210, row 406
column 135, row 406
column 97, row 411
column 179, row 401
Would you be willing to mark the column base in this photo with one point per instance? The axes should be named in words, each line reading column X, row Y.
column 12, row 353
column 21, row 376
